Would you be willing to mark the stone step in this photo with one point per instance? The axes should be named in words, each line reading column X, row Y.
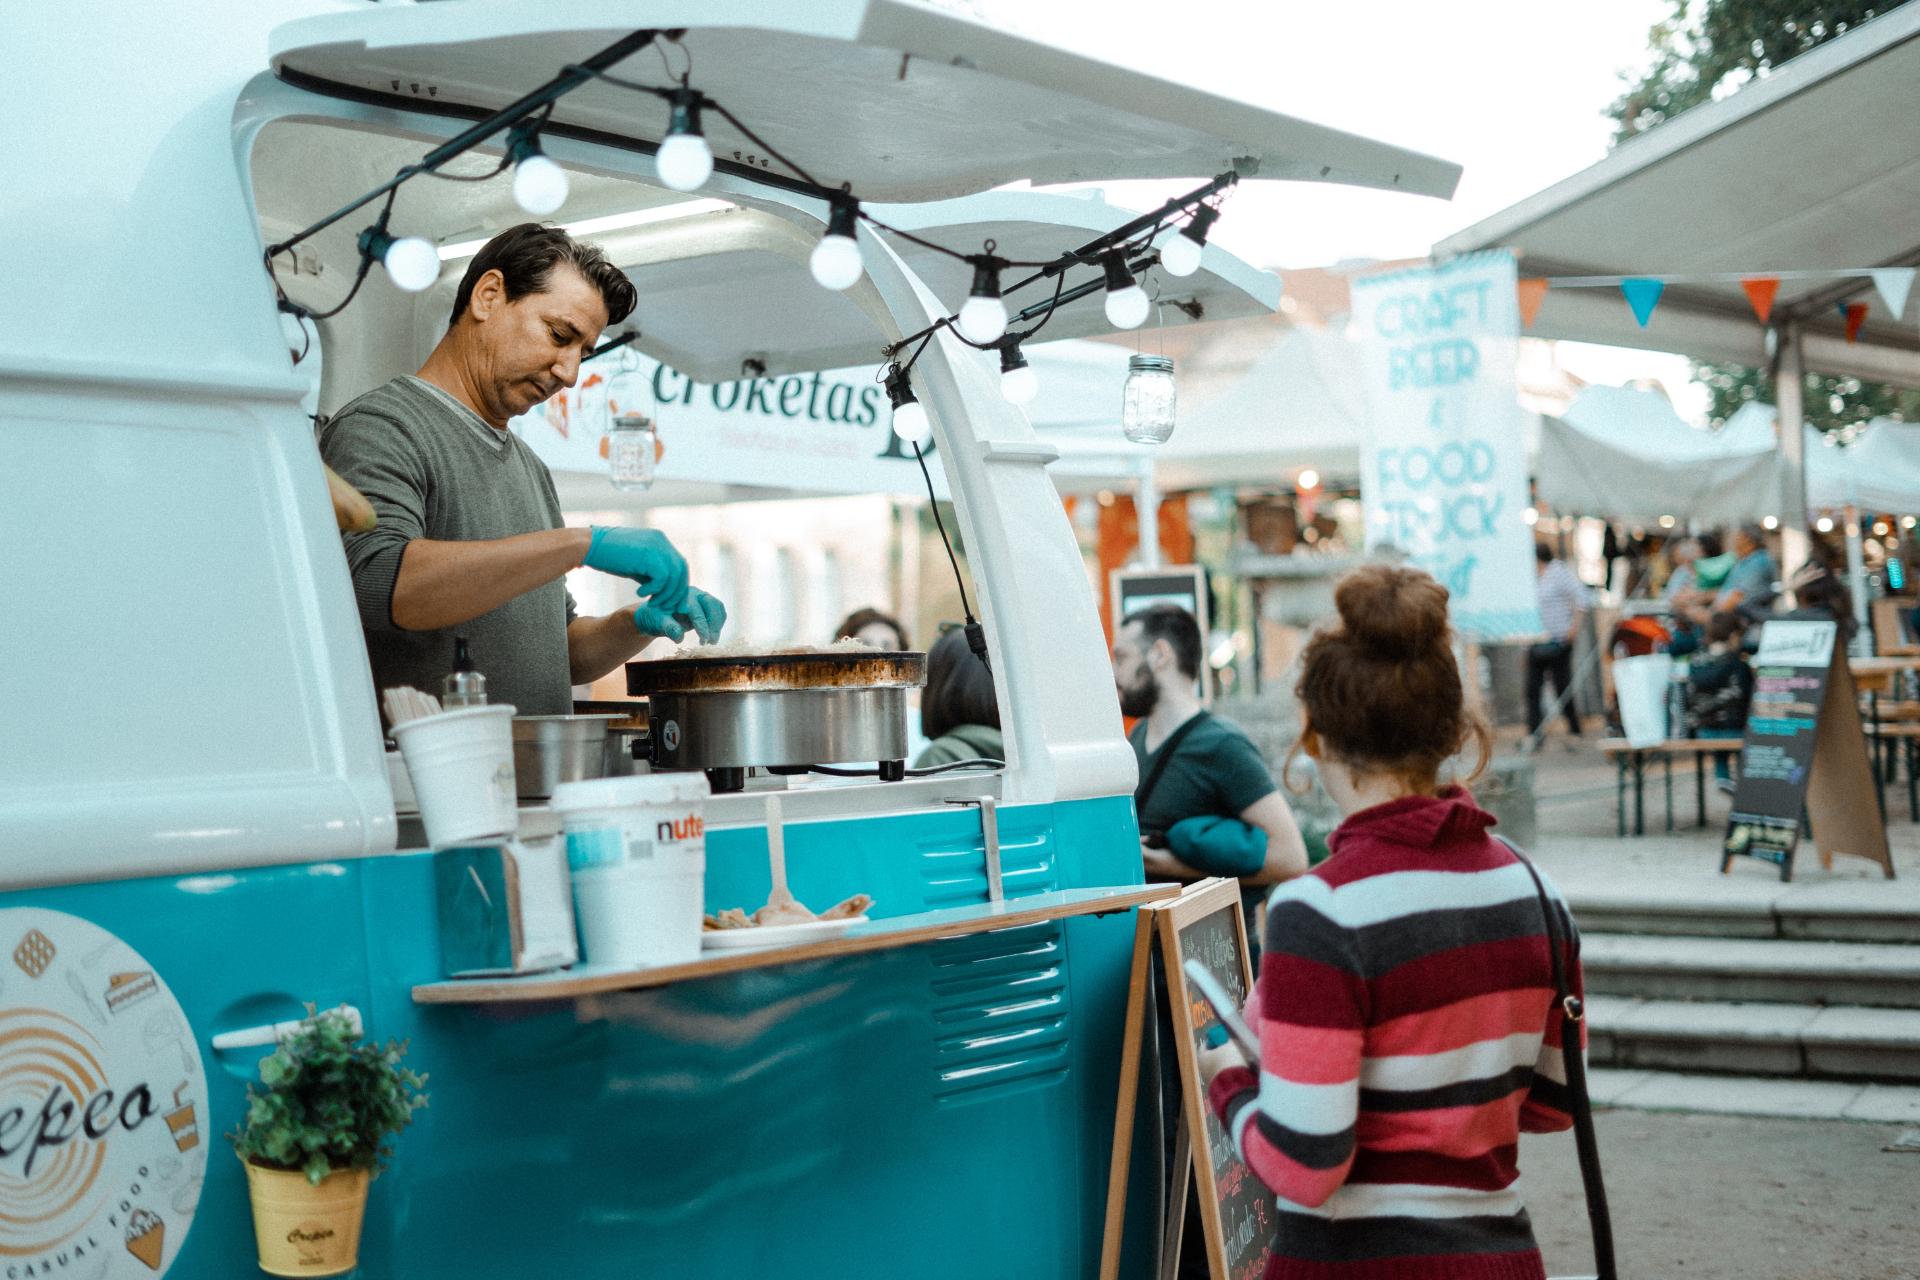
column 1878, row 975
column 1755, row 1096
column 1836, row 1041
column 1851, row 917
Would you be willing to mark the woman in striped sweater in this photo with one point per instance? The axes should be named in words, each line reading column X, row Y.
column 1405, row 985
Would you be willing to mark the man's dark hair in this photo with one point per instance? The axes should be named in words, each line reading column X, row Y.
column 1723, row 625
column 1710, row 545
column 1543, row 553
column 1176, row 626
column 959, row 688
column 526, row 255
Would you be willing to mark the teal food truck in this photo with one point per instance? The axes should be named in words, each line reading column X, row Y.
column 198, row 835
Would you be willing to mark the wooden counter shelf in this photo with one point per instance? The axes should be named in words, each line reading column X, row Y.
column 878, row 935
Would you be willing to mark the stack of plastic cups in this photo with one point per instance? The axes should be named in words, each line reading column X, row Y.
column 637, row 848
column 461, row 765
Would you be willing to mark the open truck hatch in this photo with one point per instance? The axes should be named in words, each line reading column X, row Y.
column 901, row 101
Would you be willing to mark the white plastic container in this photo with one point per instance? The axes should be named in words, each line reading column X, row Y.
column 638, row 850
column 635, row 819
column 461, row 765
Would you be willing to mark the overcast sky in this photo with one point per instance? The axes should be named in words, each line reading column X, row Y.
column 1513, row 90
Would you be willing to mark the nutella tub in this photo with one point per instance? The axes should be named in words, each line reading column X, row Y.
column 637, row 849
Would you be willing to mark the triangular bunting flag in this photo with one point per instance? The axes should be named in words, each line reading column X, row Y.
column 1893, row 283
column 1643, row 295
column 1856, row 315
column 1531, row 293
column 1760, row 291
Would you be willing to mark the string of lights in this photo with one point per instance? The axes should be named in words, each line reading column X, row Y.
column 1171, row 237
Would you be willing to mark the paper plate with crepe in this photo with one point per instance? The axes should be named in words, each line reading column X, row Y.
column 785, row 919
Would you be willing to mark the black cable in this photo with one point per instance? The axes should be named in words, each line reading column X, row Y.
column 976, row 634
column 834, row 771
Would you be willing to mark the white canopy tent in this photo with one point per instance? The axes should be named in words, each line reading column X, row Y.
column 1816, row 165
column 1625, row 454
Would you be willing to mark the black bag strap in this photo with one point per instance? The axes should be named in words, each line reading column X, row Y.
column 1571, row 1014
column 1162, row 758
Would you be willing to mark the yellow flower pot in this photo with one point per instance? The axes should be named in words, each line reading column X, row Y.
column 304, row 1230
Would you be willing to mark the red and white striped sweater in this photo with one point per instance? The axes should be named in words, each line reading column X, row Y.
column 1403, row 1013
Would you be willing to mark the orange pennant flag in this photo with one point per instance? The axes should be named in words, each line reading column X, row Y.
column 1760, row 291
column 1856, row 314
column 1532, row 292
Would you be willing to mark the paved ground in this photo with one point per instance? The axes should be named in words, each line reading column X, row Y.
column 1705, row 1195
column 1733, row 1198
column 1574, row 792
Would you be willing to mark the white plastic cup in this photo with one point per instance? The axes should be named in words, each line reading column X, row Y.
column 461, row 764
column 638, row 850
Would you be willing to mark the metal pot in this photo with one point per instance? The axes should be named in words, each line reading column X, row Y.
column 550, row 750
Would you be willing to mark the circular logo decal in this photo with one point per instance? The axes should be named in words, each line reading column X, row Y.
column 670, row 735
column 103, row 1105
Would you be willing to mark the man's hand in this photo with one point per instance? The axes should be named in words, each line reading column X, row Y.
column 649, row 559
column 1159, row 864
column 705, row 614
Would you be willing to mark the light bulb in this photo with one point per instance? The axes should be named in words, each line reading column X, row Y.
column 836, row 261
column 1018, row 382
column 911, row 424
column 684, row 162
column 983, row 320
column 412, row 263
column 1180, row 255
column 1020, row 385
column 1127, row 308
column 1180, row 252
column 539, row 185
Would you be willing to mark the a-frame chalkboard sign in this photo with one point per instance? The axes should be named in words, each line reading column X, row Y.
column 1236, row 1210
column 1805, row 753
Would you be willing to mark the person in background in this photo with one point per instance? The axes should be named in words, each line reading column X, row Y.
column 1719, row 687
column 1681, row 584
column 959, row 711
column 1819, row 596
column 872, row 627
column 1206, row 803
column 1405, row 1004
column 1749, row 588
column 1563, row 602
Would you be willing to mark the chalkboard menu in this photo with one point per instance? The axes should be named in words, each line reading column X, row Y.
column 1783, row 720
column 1236, row 1208
column 1805, row 755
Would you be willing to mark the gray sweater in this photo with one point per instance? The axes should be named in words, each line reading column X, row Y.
column 433, row 469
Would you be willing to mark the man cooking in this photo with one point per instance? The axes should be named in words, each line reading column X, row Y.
column 470, row 537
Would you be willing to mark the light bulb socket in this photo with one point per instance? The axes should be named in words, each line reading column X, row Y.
column 375, row 240
column 523, row 142
column 1118, row 277
column 1011, row 358
column 843, row 217
column 1202, row 223
column 685, row 114
column 899, row 387
column 986, row 277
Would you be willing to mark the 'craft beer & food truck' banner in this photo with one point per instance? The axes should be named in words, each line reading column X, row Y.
column 1445, row 478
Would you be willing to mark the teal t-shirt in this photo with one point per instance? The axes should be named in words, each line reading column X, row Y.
column 1215, row 770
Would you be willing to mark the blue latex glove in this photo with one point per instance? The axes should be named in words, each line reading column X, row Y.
column 649, row 559
column 654, row 621
column 1218, row 846
column 704, row 615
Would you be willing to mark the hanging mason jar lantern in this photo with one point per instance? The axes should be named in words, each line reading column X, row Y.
column 1146, row 408
column 632, row 448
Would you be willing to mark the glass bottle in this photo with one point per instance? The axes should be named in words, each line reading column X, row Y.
column 632, row 448
column 1147, row 405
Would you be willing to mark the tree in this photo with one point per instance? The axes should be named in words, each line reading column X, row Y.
column 1705, row 50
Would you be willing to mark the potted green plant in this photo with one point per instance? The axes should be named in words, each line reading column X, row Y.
column 315, row 1133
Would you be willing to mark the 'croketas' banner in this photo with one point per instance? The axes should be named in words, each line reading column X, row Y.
column 1445, row 477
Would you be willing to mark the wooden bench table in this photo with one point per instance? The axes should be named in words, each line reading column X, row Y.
column 1630, row 764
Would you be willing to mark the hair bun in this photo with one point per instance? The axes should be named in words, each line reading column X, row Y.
column 1393, row 612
